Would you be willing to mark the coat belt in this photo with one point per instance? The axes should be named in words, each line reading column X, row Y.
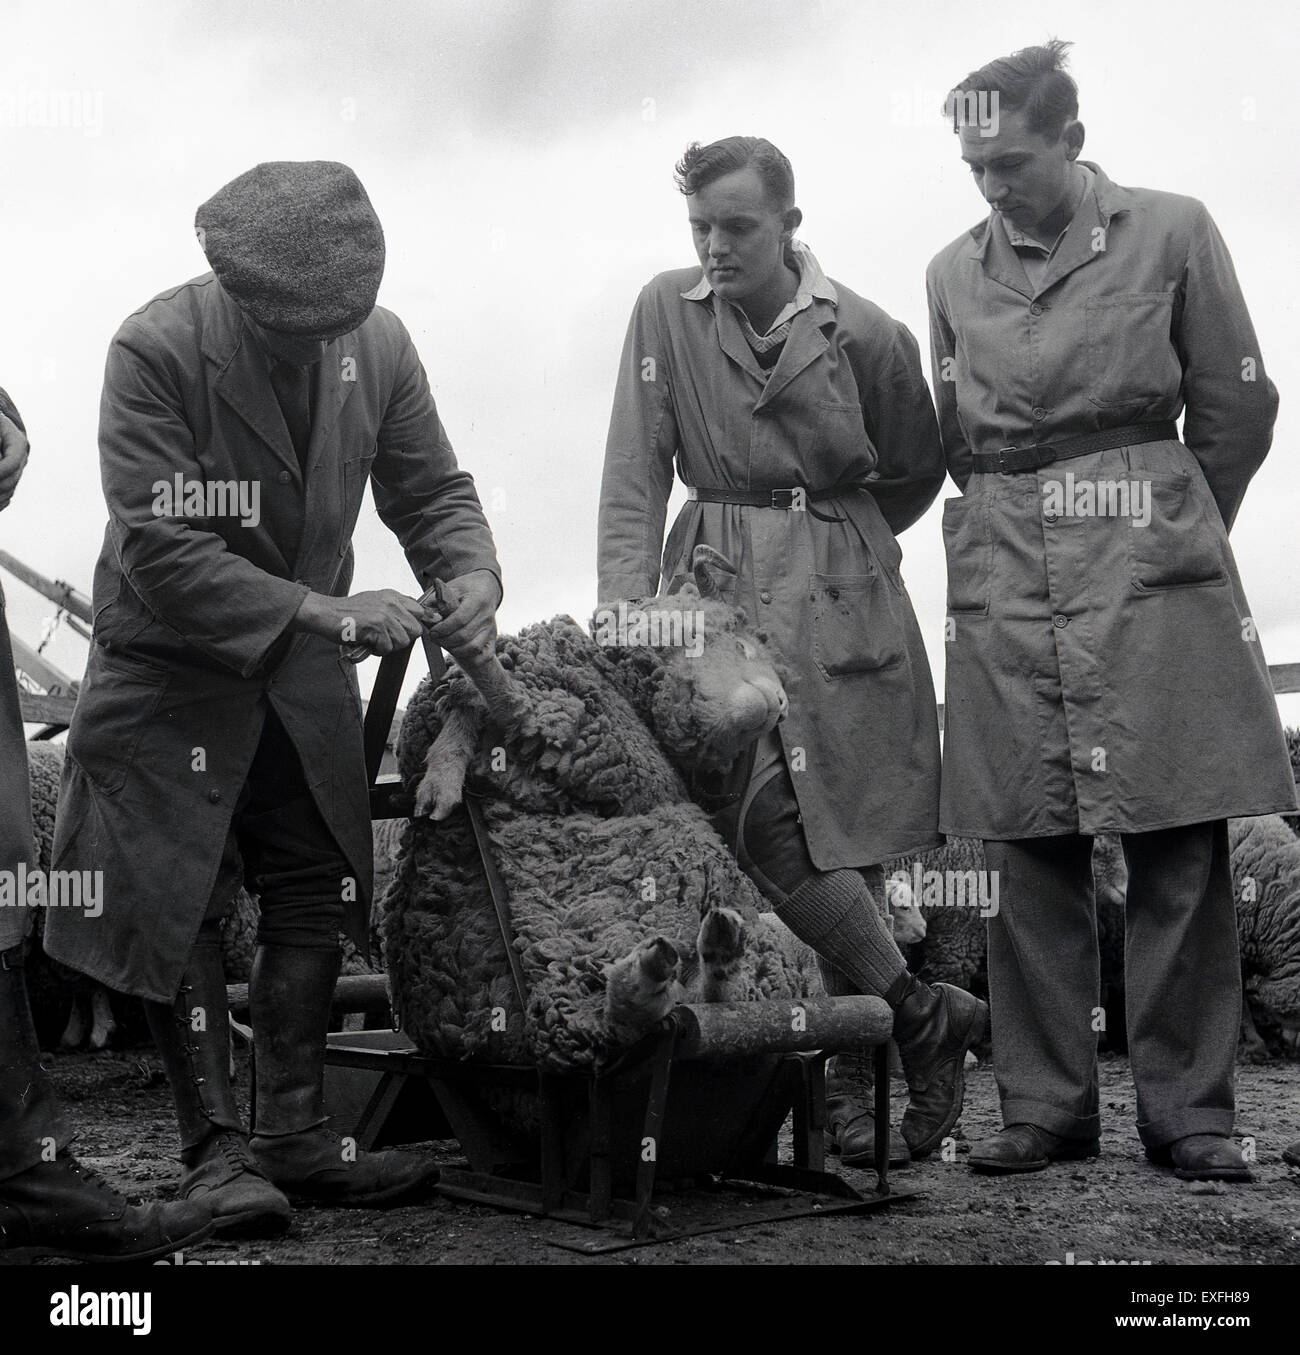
column 1010, row 460
column 789, row 499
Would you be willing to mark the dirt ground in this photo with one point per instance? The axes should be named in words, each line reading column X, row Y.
column 1117, row 1208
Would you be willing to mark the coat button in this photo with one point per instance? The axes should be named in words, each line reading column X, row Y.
column 1035, row 309
column 214, row 796
column 1060, row 622
column 765, row 596
column 284, row 477
column 1038, row 412
column 1050, row 517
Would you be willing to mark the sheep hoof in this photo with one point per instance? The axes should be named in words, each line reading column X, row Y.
column 436, row 796
column 640, row 988
column 720, row 946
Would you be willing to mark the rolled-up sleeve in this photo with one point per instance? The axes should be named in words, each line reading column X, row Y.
column 214, row 599
column 1231, row 404
column 638, row 474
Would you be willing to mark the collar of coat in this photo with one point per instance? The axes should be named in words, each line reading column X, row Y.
column 243, row 379
column 806, row 343
column 1081, row 246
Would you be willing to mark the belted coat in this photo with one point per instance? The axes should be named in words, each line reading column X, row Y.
column 190, row 642
column 1104, row 672
column 845, row 403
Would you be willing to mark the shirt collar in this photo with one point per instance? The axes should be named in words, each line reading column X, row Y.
column 1106, row 199
column 1022, row 241
column 813, row 284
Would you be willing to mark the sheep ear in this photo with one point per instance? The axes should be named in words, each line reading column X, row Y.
column 706, row 563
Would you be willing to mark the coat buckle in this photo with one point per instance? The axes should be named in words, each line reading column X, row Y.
column 783, row 498
column 1003, row 468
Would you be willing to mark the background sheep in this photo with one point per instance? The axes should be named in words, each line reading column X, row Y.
column 591, row 827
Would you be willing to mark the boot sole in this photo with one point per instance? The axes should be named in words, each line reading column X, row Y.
column 252, row 1223
column 1163, row 1157
column 40, row 1251
column 862, row 1159
column 975, row 1031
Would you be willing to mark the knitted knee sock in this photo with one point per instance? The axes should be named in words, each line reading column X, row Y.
column 833, row 912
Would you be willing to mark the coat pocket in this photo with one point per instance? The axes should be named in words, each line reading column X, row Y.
column 115, row 705
column 1182, row 543
column 1131, row 354
column 968, row 546
column 856, row 628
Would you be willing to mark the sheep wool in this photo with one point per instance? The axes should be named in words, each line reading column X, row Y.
column 597, row 842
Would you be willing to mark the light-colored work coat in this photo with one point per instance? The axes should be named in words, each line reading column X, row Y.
column 846, row 401
column 1104, row 673
column 191, row 613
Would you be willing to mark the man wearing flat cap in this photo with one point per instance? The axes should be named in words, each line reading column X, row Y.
column 217, row 735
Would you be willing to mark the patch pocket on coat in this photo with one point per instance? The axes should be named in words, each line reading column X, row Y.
column 968, row 546
column 840, row 428
column 856, row 628
column 1131, row 355
column 1180, row 545
column 112, row 714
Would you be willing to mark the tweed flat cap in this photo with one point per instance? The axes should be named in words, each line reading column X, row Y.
column 298, row 246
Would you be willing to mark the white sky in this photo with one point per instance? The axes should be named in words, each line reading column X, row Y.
column 520, row 152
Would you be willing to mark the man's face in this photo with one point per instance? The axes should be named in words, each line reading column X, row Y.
column 1022, row 174
column 737, row 233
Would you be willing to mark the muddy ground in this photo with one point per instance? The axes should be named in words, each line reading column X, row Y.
column 1117, row 1208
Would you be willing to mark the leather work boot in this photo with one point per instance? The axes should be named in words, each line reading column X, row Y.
column 59, row 1207
column 292, row 988
column 934, row 1026
column 851, row 1116
column 1027, row 1148
column 193, row 1039
column 1202, row 1157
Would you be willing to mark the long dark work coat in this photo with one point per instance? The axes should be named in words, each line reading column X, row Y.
column 191, row 614
column 846, row 401
column 1103, row 675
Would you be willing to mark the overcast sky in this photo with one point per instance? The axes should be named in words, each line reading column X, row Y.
column 520, row 152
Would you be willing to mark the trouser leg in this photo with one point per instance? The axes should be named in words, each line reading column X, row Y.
column 31, row 1127
column 1182, row 980
column 1044, row 981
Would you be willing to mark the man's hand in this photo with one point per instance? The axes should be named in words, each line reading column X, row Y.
column 13, row 458
column 382, row 621
column 469, row 629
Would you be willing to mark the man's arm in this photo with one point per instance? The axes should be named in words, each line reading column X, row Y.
column 899, row 418
column 638, row 474
column 432, row 507
column 218, row 602
column 943, row 372
column 1230, row 402
column 13, row 448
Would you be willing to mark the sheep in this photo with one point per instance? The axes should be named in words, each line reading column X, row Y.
column 581, row 741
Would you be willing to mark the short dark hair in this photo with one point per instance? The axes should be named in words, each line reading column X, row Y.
column 1034, row 79
column 701, row 165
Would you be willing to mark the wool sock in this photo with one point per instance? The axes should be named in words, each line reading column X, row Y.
column 833, row 912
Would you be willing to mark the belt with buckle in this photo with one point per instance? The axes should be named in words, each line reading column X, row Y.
column 1012, row 460
column 788, row 499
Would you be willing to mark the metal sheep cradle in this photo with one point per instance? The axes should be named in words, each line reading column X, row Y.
column 698, row 1102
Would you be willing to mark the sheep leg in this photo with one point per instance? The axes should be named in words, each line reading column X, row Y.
column 103, row 1026
column 446, row 763
column 640, row 989
column 720, row 946
column 74, row 1033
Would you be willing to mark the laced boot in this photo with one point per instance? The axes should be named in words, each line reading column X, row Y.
column 934, row 1026
column 193, row 1038
column 58, row 1207
column 292, row 988
column 851, row 1115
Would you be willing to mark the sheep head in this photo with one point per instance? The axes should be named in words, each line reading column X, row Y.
column 702, row 679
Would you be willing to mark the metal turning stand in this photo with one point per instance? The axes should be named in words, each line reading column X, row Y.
column 612, row 1150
